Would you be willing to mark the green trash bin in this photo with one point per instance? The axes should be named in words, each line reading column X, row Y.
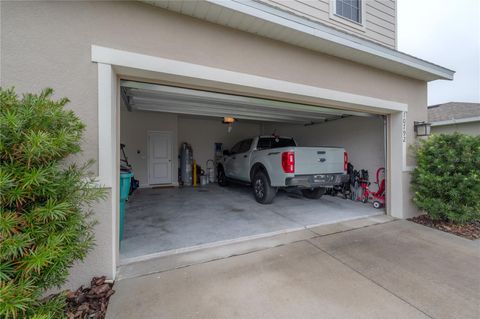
column 125, row 179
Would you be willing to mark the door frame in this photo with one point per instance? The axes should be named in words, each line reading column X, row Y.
column 113, row 63
column 170, row 133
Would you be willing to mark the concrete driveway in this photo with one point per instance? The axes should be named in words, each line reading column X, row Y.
column 396, row 269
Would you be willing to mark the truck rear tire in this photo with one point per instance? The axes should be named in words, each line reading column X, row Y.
column 262, row 190
column 221, row 178
column 315, row 193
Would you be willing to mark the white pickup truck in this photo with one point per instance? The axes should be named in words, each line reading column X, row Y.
column 271, row 162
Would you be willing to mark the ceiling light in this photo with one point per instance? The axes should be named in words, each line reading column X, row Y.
column 228, row 120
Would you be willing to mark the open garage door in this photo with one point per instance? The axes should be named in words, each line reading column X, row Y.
column 164, row 218
column 169, row 99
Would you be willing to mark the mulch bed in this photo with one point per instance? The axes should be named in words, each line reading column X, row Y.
column 90, row 302
column 468, row 230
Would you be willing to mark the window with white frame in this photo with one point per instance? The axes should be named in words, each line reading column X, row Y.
column 349, row 9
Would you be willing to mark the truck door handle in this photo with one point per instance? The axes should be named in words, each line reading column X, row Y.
column 245, row 156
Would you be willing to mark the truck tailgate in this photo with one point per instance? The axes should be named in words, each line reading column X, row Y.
column 318, row 160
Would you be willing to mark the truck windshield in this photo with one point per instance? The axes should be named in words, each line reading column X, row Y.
column 274, row 142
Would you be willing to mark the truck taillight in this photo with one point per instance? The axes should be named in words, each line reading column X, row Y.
column 345, row 161
column 288, row 162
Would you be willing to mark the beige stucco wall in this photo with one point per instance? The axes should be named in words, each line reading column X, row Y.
column 48, row 44
column 472, row 128
column 362, row 138
column 100, row 260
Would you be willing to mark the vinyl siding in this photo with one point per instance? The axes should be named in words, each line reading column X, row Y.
column 380, row 20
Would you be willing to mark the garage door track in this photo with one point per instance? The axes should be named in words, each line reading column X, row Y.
column 396, row 269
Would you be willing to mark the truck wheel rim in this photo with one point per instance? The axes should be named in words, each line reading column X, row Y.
column 259, row 188
column 220, row 176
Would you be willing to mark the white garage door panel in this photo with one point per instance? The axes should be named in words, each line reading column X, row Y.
column 161, row 98
column 160, row 158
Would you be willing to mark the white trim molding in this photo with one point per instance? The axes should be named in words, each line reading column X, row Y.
column 114, row 63
column 396, row 164
column 105, row 125
column 404, row 142
column 108, row 141
column 131, row 64
column 200, row 72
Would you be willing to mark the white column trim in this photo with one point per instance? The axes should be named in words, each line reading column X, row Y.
column 107, row 147
column 405, row 166
column 105, row 125
column 404, row 141
column 397, row 163
column 189, row 70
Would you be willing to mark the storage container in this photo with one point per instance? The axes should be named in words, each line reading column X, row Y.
column 125, row 179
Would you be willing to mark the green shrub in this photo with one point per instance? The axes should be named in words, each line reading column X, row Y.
column 446, row 181
column 45, row 217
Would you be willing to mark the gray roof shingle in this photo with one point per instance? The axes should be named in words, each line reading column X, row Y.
column 453, row 111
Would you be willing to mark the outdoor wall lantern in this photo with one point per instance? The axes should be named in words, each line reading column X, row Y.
column 422, row 128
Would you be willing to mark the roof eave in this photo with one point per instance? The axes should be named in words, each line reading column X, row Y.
column 284, row 26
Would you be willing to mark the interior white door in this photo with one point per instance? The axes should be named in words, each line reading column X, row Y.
column 160, row 158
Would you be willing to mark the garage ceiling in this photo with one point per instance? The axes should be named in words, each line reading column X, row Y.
column 139, row 96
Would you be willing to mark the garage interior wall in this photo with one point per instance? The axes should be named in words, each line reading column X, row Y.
column 200, row 133
column 362, row 138
column 134, row 128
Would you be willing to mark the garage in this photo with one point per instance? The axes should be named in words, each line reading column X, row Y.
column 176, row 211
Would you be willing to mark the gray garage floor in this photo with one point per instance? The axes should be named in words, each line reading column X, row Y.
column 172, row 219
